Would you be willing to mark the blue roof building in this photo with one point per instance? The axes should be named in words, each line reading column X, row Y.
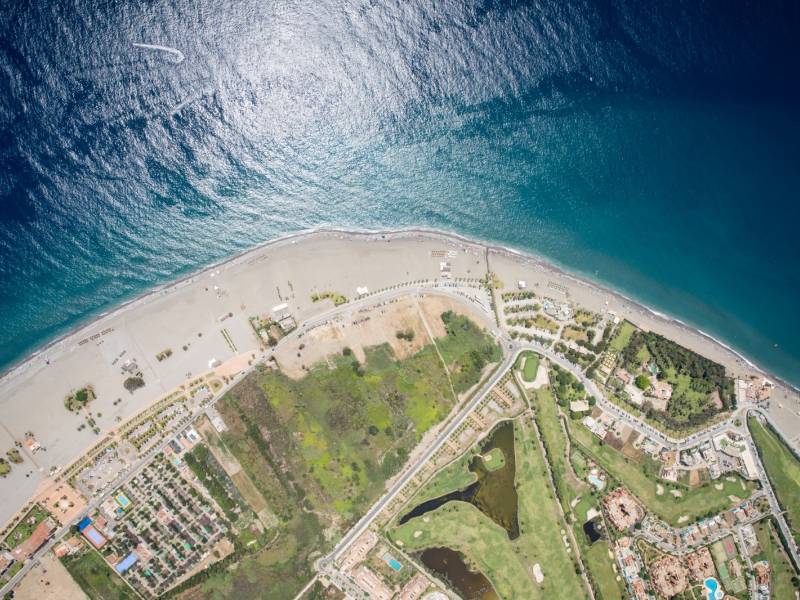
column 126, row 564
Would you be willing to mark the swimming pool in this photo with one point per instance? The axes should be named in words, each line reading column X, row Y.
column 597, row 483
column 392, row 562
column 714, row 593
column 123, row 500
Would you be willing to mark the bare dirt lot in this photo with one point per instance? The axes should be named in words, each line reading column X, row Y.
column 406, row 313
column 48, row 580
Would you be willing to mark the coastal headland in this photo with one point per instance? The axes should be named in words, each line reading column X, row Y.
column 208, row 323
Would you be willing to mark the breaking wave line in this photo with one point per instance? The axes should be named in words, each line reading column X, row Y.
column 177, row 53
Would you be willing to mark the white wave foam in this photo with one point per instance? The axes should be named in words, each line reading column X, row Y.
column 177, row 53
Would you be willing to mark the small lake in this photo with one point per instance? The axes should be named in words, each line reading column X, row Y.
column 590, row 529
column 447, row 564
column 493, row 493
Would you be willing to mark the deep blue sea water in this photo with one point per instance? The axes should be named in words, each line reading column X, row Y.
column 652, row 145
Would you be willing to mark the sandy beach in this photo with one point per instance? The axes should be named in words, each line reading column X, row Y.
column 206, row 316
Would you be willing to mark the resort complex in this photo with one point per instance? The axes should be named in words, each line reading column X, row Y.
column 398, row 416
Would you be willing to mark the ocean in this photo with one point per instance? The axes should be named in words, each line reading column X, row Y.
column 652, row 146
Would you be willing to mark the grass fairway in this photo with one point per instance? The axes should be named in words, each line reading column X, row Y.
column 531, row 366
column 463, row 527
column 97, row 579
column 696, row 503
column 507, row 564
column 782, row 468
column 455, row 476
column 595, row 556
column 772, row 551
column 601, row 566
column 544, row 403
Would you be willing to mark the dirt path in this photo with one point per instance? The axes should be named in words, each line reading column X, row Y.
column 433, row 341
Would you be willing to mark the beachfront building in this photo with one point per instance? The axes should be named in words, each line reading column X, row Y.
column 622, row 510
column 667, row 577
column 735, row 450
column 37, row 539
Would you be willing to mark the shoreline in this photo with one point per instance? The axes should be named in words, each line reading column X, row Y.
column 18, row 367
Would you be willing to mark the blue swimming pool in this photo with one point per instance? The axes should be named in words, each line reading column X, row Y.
column 712, row 585
column 597, row 483
column 392, row 562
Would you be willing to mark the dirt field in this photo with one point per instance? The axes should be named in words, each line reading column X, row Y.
column 218, row 447
column 409, row 312
column 48, row 580
column 234, row 469
column 633, row 453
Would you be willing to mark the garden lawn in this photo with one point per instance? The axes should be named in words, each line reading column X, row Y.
column 782, row 468
column 623, row 336
column 97, row 579
column 545, row 323
column 25, row 528
column 696, row 503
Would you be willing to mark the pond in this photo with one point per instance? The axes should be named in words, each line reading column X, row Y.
column 493, row 492
column 448, row 565
column 590, row 529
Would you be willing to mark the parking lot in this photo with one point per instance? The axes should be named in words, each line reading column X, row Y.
column 95, row 479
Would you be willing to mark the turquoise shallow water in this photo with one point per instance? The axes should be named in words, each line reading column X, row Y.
column 652, row 146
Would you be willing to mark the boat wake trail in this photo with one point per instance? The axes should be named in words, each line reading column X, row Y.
column 177, row 53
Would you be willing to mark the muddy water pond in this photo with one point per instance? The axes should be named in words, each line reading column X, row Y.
column 448, row 565
column 493, row 492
